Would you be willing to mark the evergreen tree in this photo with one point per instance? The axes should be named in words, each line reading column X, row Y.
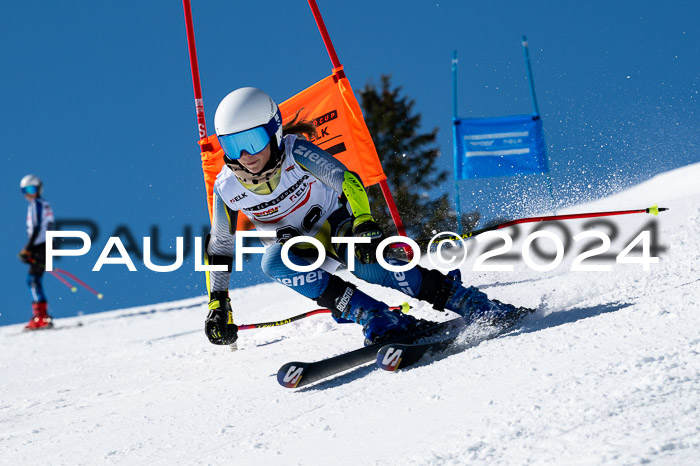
column 409, row 160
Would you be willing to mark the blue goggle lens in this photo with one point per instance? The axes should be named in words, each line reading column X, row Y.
column 252, row 141
column 29, row 190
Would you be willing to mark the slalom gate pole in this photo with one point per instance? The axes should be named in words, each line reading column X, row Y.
column 654, row 210
column 455, row 151
column 324, row 34
column 536, row 109
column 404, row 308
column 388, row 197
column 530, row 79
column 194, row 66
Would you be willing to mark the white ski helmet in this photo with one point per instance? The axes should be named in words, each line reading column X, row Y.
column 31, row 184
column 247, row 119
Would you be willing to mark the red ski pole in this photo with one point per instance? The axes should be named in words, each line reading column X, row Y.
column 79, row 282
column 654, row 210
column 53, row 273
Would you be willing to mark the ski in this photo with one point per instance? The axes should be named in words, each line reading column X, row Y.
column 393, row 356
column 299, row 374
column 399, row 355
column 55, row 327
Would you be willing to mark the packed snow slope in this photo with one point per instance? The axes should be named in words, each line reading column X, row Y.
column 606, row 372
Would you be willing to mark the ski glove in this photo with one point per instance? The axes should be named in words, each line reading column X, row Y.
column 219, row 325
column 365, row 227
column 25, row 256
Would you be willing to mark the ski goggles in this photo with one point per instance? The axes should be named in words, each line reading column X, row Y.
column 252, row 141
column 29, row 190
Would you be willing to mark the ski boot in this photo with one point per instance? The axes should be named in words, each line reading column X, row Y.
column 40, row 319
column 447, row 292
column 386, row 324
column 476, row 307
column 379, row 323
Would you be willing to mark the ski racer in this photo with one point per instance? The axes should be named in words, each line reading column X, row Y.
column 285, row 184
column 39, row 220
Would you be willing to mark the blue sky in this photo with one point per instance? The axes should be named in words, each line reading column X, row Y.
column 98, row 102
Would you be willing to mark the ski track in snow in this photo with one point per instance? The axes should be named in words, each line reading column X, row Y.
column 606, row 372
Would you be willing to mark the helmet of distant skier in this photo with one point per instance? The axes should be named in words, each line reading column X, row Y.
column 247, row 120
column 31, row 184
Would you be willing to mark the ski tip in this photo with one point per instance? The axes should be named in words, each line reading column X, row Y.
column 405, row 307
column 290, row 375
column 100, row 296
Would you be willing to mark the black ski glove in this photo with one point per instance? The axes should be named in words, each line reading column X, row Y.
column 219, row 325
column 25, row 256
column 367, row 228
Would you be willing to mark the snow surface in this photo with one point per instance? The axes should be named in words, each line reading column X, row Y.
column 606, row 372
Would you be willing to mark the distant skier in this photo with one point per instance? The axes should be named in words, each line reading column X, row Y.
column 39, row 220
column 285, row 184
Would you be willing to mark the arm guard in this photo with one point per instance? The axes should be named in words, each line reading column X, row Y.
column 357, row 198
column 218, row 247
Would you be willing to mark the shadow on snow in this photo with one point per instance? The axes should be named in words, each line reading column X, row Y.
column 474, row 337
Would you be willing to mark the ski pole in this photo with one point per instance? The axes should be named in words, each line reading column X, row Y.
column 403, row 308
column 79, row 282
column 73, row 288
column 55, row 273
column 285, row 321
column 654, row 210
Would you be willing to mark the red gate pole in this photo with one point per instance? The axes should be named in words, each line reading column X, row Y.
column 324, row 34
column 336, row 64
column 192, row 46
